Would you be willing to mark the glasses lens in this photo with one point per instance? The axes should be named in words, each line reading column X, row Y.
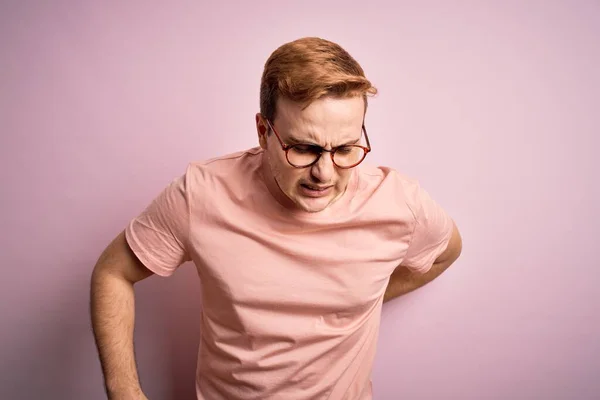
column 348, row 156
column 345, row 156
column 303, row 155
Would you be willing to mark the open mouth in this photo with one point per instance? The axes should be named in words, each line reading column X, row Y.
column 315, row 191
column 315, row 188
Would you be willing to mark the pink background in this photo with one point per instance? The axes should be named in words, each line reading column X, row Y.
column 492, row 105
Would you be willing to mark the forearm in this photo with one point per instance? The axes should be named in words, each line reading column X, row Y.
column 112, row 310
column 404, row 280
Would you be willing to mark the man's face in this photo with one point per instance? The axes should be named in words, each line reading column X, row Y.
column 327, row 122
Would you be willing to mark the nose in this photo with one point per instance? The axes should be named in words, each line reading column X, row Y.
column 324, row 169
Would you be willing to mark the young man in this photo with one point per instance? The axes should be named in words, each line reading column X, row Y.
column 297, row 244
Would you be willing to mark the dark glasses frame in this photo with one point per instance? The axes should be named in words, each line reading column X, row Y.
column 286, row 147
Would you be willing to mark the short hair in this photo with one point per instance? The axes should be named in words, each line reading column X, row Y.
column 308, row 69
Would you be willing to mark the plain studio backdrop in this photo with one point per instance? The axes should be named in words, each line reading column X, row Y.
column 492, row 105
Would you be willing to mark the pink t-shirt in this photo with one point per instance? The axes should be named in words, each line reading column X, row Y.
column 291, row 300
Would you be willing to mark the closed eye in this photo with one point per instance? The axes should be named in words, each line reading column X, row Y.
column 345, row 149
column 307, row 149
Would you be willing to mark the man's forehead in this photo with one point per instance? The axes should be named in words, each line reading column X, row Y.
column 313, row 135
column 324, row 122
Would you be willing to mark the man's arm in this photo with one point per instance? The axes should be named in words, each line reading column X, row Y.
column 404, row 280
column 112, row 312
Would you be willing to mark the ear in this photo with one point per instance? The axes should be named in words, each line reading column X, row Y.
column 261, row 129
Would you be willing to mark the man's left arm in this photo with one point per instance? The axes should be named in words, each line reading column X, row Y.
column 404, row 280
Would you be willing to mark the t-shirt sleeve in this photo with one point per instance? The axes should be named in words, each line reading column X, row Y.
column 159, row 235
column 432, row 231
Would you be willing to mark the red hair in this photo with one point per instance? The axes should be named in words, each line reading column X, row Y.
column 308, row 69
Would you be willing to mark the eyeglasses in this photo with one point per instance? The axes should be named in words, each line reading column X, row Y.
column 304, row 155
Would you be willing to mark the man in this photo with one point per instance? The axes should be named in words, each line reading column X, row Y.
column 297, row 244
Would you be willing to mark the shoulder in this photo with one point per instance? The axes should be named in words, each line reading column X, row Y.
column 395, row 188
column 226, row 168
column 388, row 178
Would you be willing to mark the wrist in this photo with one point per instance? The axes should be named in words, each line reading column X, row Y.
column 124, row 392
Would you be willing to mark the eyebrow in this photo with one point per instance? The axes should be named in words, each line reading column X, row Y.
column 293, row 140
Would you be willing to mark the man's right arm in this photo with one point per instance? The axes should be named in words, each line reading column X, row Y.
column 113, row 316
